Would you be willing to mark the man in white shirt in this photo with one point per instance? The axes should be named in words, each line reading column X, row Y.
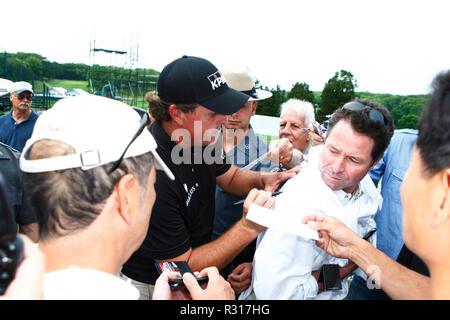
column 334, row 182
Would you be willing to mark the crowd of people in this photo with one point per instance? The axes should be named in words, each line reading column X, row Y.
column 104, row 193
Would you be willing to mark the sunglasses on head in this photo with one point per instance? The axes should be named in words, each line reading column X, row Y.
column 145, row 120
column 23, row 95
column 374, row 114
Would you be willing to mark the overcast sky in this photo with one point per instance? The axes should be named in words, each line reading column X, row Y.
column 390, row 46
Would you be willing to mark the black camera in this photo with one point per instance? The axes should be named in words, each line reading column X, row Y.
column 11, row 245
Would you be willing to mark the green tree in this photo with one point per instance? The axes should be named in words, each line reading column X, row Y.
column 271, row 106
column 408, row 121
column 301, row 91
column 337, row 91
column 34, row 63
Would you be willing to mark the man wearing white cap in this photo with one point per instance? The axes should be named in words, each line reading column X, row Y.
column 92, row 184
column 241, row 146
column 16, row 126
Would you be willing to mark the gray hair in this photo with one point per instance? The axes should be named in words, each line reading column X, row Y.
column 301, row 108
column 67, row 201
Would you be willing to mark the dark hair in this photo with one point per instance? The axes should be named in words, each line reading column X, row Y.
column 361, row 122
column 434, row 127
column 67, row 201
column 159, row 109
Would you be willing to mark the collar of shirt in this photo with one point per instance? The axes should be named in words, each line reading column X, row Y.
column 79, row 283
column 345, row 197
column 33, row 115
column 162, row 138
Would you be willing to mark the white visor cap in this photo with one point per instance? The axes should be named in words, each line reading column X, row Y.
column 98, row 128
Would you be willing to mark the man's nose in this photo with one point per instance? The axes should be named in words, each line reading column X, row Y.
column 234, row 115
column 286, row 130
column 338, row 165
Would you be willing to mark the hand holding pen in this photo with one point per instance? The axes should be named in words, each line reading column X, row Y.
column 273, row 195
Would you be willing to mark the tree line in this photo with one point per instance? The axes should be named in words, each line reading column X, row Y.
column 339, row 89
column 23, row 66
column 31, row 66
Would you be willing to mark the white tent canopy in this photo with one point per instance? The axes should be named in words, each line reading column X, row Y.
column 5, row 86
column 265, row 125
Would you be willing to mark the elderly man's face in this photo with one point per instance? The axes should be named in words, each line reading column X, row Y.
column 21, row 101
column 291, row 127
column 346, row 157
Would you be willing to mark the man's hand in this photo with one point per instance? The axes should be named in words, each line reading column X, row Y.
column 216, row 289
column 272, row 181
column 163, row 291
column 261, row 198
column 28, row 281
column 315, row 138
column 280, row 151
column 241, row 277
column 335, row 238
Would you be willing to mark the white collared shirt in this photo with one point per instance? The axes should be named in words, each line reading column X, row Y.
column 283, row 262
column 86, row 284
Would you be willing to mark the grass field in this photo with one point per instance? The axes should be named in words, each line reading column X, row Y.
column 66, row 84
column 266, row 138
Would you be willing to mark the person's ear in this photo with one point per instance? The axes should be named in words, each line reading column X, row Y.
column 254, row 105
column 126, row 192
column 176, row 114
column 442, row 209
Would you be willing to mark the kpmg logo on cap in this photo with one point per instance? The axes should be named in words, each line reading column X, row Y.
column 216, row 79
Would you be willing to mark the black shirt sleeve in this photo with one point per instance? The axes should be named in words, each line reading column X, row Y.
column 221, row 168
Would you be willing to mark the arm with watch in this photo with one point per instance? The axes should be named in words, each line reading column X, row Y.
column 329, row 277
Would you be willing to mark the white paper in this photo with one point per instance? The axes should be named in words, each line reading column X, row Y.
column 287, row 221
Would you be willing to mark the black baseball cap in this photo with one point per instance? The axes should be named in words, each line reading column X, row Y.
column 196, row 80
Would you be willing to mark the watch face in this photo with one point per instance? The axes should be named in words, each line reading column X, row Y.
column 329, row 275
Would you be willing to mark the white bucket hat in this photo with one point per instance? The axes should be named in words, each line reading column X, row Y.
column 241, row 79
column 98, row 128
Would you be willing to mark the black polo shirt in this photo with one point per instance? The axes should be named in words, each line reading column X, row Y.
column 183, row 213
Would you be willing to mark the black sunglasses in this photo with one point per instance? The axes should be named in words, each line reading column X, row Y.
column 145, row 120
column 374, row 114
column 27, row 96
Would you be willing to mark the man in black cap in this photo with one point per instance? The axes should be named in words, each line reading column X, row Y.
column 192, row 103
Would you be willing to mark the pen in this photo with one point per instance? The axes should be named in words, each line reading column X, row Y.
column 273, row 195
column 307, row 129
